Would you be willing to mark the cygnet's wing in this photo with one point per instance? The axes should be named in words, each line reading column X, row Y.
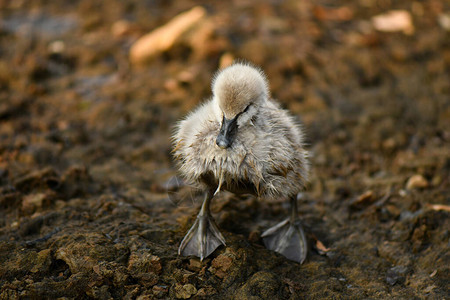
column 281, row 153
column 187, row 135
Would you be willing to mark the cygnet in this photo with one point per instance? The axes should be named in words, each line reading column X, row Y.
column 243, row 142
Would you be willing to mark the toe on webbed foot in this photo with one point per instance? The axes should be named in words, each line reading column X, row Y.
column 288, row 239
column 202, row 239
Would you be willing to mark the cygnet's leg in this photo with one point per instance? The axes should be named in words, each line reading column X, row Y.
column 204, row 236
column 287, row 237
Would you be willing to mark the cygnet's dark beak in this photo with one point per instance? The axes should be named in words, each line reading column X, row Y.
column 227, row 133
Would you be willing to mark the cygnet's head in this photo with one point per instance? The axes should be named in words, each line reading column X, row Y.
column 239, row 91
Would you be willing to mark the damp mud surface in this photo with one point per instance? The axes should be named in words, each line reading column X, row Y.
column 90, row 203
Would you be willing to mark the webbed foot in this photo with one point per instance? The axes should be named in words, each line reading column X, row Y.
column 202, row 239
column 288, row 239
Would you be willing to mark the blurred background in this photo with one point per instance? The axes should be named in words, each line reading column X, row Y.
column 90, row 92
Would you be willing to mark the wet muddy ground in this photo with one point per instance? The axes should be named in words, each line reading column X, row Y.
column 89, row 202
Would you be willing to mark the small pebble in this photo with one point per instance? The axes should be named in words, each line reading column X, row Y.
column 366, row 197
column 444, row 21
column 57, row 47
column 396, row 275
column 416, row 182
column 393, row 21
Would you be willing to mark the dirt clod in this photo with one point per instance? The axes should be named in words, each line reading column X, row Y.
column 184, row 291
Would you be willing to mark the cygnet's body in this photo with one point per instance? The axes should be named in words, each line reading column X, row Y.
column 243, row 142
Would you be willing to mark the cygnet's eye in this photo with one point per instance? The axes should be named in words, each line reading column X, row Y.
column 244, row 111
